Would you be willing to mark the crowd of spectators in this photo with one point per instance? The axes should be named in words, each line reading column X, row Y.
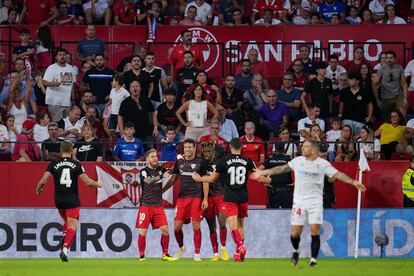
column 201, row 12
column 119, row 113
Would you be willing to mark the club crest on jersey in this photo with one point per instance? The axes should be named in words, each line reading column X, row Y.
column 193, row 166
column 209, row 46
column 130, row 181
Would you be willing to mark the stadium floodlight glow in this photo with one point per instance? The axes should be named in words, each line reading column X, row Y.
column 382, row 240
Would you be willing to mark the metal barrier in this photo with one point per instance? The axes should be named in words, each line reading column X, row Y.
column 109, row 146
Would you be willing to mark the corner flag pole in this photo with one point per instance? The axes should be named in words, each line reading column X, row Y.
column 362, row 166
column 358, row 216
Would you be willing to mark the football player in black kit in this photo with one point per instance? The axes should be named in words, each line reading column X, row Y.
column 233, row 172
column 215, row 204
column 65, row 172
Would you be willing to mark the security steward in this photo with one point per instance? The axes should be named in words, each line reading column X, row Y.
column 280, row 191
column 408, row 186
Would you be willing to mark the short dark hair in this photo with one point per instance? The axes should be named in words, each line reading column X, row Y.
column 60, row 50
column 185, row 31
column 100, row 55
column 229, row 75
column 87, row 91
column 24, row 31
column 129, row 125
column 236, row 143
column 149, row 54
column 170, row 128
column 66, row 147
column 119, row 79
column 391, row 53
column 354, row 76
column 187, row 52
column 236, row 10
column 170, row 91
column 333, row 56
column 245, row 60
column 321, row 65
column 190, row 141
column 21, row 59
column 40, row 116
column 336, row 119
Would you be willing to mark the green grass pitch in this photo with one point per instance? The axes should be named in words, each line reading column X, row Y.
column 184, row 267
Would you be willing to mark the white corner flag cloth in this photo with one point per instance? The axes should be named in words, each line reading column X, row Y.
column 363, row 162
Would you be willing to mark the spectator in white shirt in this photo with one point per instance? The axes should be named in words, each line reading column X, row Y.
column 333, row 135
column 300, row 12
column 381, row 61
column 41, row 132
column 378, row 8
column 204, row 11
column 390, row 17
column 97, row 11
column 353, row 17
column 117, row 95
column 305, row 124
column 70, row 127
column 334, row 70
column 369, row 144
column 409, row 72
column 268, row 19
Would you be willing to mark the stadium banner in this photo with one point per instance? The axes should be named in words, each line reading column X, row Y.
column 122, row 185
column 277, row 45
column 111, row 233
column 383, row 189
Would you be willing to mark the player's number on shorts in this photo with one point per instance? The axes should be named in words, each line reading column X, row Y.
column 65, row 178
column 141, row 218
column 237, row 175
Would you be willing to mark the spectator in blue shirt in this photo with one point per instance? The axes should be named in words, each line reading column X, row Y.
column 90, row 46
column 274, row 114
column 244, row 79
column 290, row 96
column 129, row 148
column 331, row 7
column 169, row 145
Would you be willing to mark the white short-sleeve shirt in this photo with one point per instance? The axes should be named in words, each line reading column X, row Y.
column 117, row 97
column 409, row 72
column 310, row 178
column 203, row 12
column 59, row 95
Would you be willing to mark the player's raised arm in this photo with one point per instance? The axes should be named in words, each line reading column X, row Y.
column 346, row 179
column 42, row 182
column 91, row 183
column 275, row 170
column 206, row 178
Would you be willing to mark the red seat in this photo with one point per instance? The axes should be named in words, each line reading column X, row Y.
column 401, row 156
column 270, row 146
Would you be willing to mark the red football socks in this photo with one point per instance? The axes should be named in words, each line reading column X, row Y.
column 179, row 236
column 223, row 236
column 237, row 239
column 165, row 240
column 214, row 242
column 142, row 242
column 65, row 228
column 197, row 241
column 70, row 233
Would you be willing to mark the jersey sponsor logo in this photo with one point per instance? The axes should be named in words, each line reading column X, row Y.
column 210, row 48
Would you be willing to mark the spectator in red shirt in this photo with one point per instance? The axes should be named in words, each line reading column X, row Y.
column 25, row 150
column 39, row 12
column 176, row 58
column 124, row 13
column 279, row 7
column 212, row 93
column 257, row 66
column 252, row 145
column 353, row 67
column 220, row 142
column 299, row 77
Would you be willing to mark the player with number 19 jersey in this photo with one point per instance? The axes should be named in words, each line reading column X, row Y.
column 65, row 172
column 234, row 171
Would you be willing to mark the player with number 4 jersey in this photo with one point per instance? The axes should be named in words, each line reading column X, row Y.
column 65, row 172
column 233, row 172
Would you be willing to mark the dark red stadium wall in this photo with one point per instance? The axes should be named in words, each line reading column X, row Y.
column 321, row 36
column 18, row 182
